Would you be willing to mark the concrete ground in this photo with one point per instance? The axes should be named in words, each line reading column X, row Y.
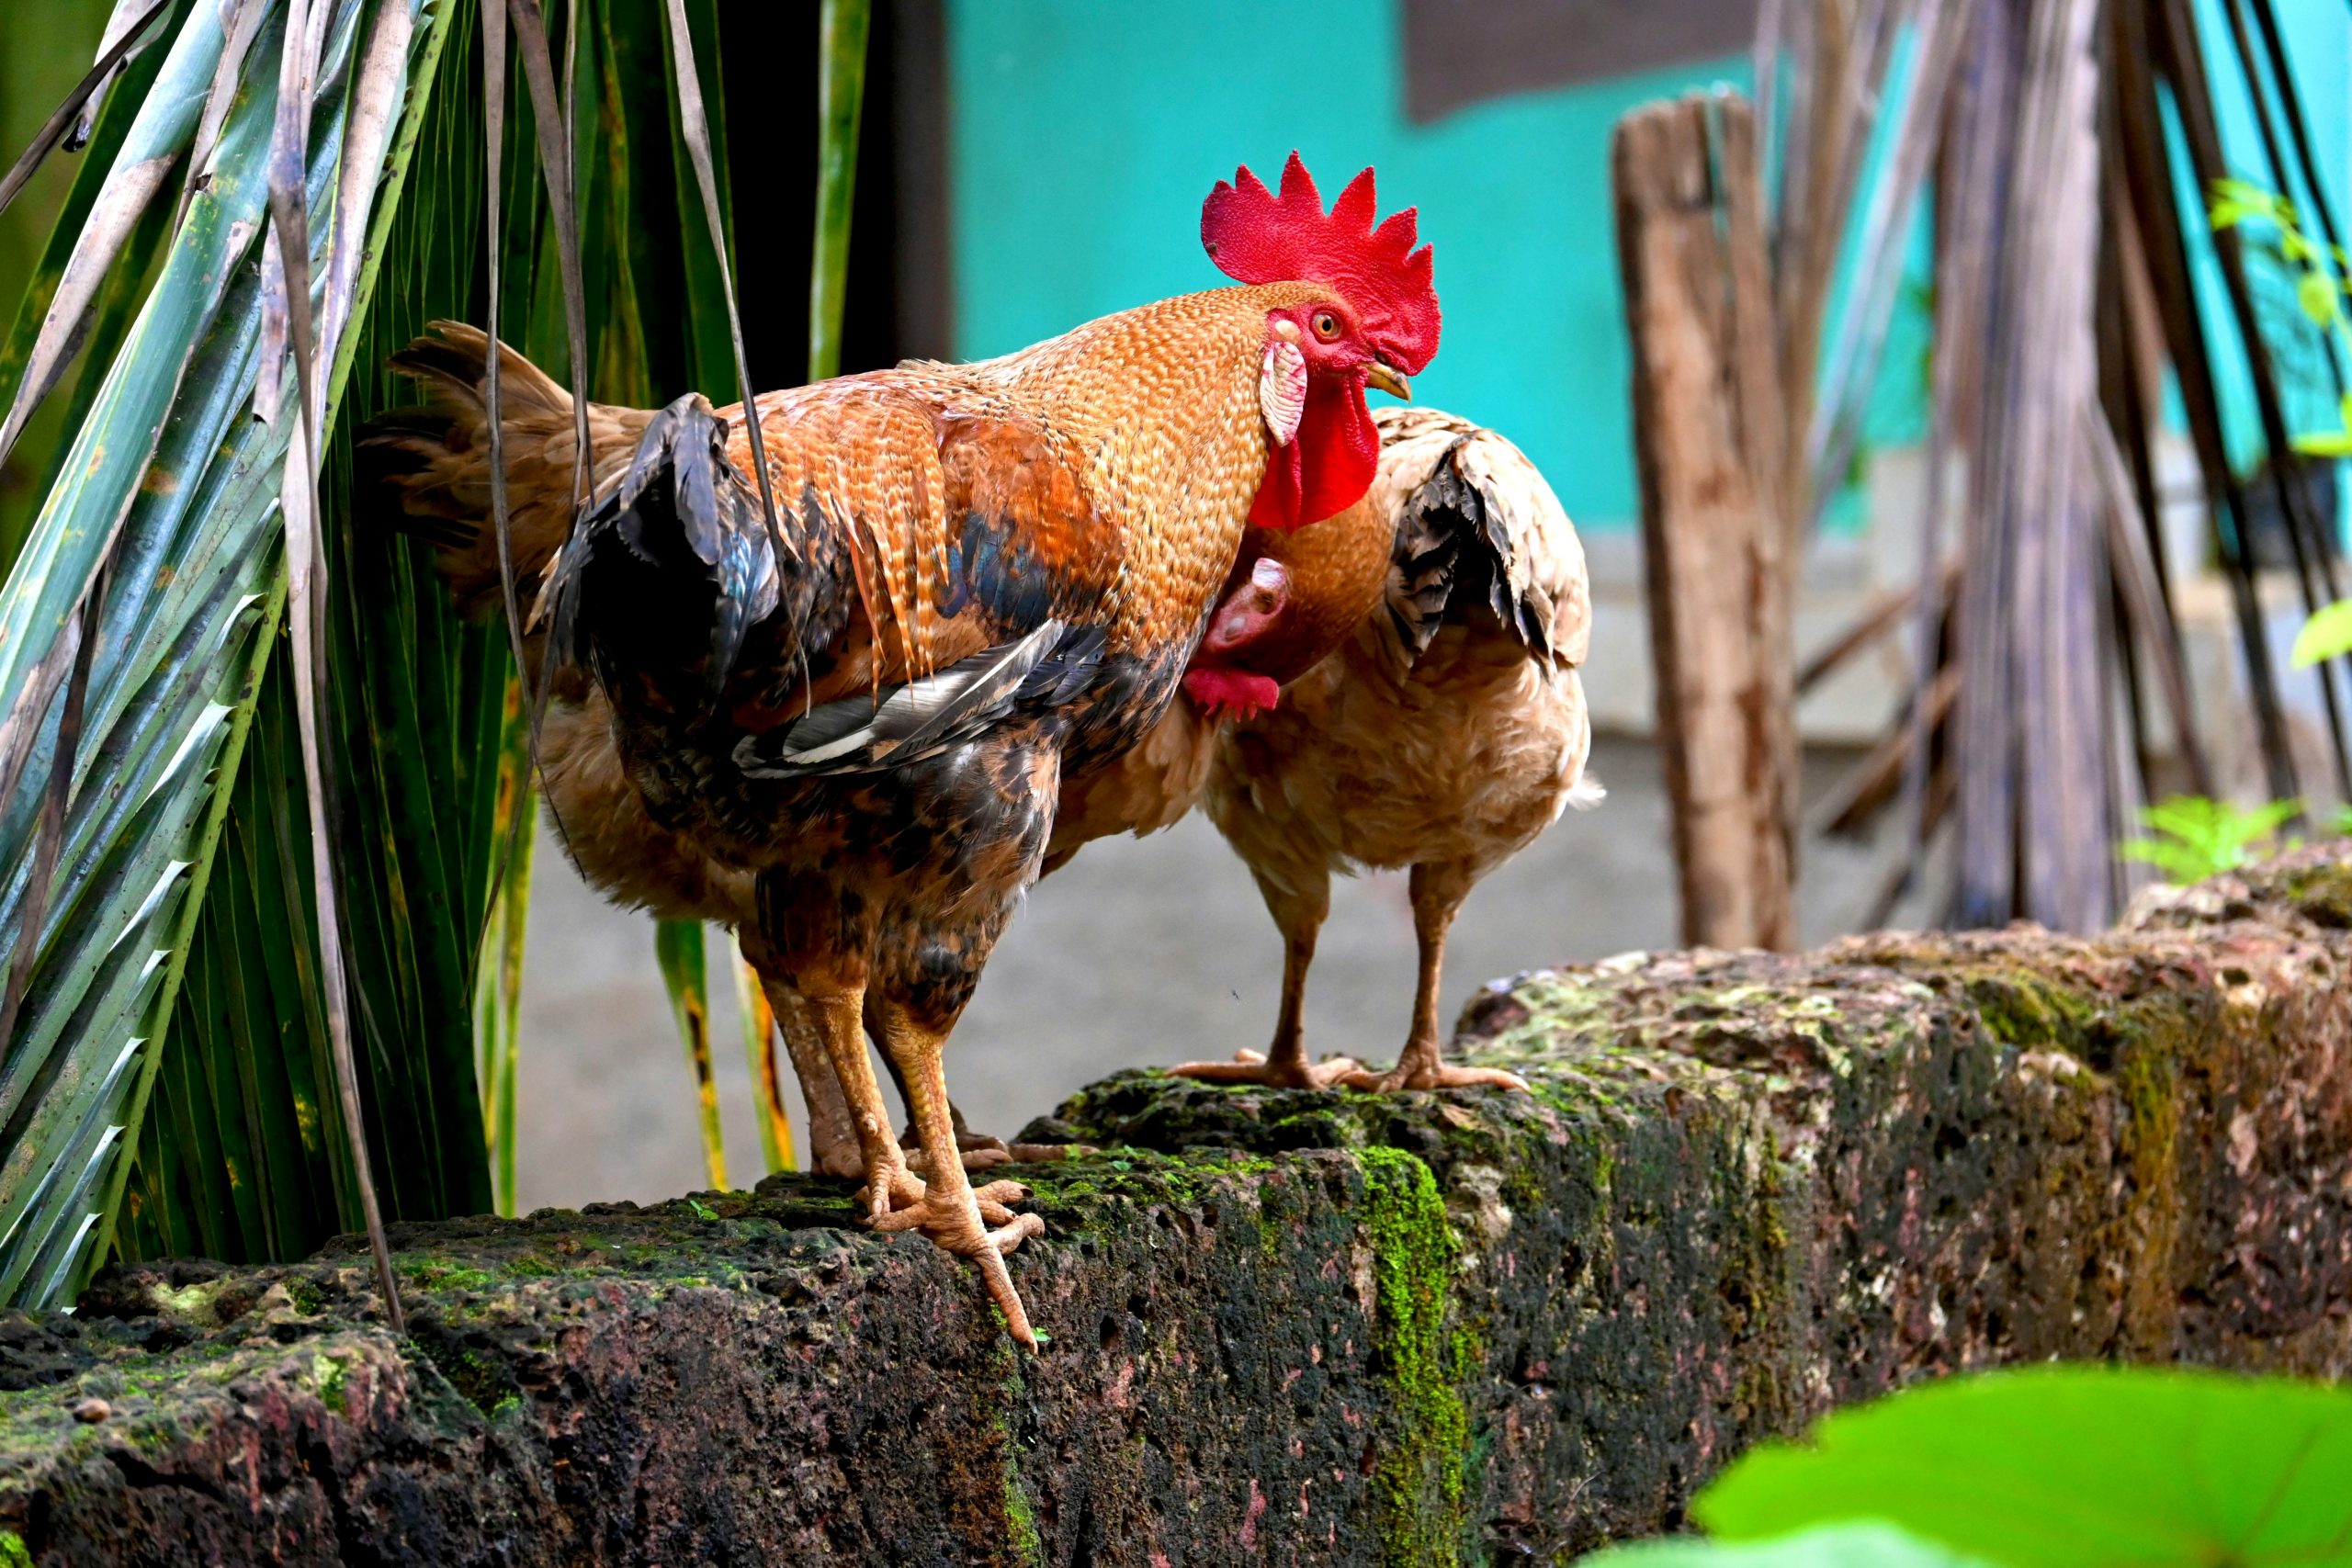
column 1142, row 951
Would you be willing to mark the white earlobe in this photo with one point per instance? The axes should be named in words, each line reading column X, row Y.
column 1282, row 390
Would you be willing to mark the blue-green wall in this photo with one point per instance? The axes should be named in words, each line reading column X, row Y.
column 1083, row 137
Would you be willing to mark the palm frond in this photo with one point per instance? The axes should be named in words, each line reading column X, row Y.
column 678, row 946
column 760, row 1054
column 841, row 31
column 2068, row 313
column 184, row 529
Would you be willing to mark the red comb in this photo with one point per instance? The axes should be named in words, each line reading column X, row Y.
column 1256, row 236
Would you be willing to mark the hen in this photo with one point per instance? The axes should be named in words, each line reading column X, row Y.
column 1294, row 597
column 1447, row 731
column 846, row 725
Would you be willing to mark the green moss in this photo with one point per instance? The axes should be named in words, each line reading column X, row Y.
column 2323, row 893
column 305, row 1294
column 1184, row 1178
column 13, row 1552
column 194, row 1303
column 1021, row 1520
column 2022, row 1006
column 1422, row 1474
column 445, row 1274
column 327, row 1374
column 485, row 1382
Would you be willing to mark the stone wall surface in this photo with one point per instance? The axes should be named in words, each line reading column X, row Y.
column 1290, row 1327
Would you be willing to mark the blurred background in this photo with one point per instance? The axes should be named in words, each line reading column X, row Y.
column 1029, row 163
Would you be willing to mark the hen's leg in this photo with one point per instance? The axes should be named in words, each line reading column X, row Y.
column 1437, row 892
column 952, row 1212
column 1299, row 912
column 832, row 1132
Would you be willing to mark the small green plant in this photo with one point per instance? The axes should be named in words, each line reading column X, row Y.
column 2321, row 288
column 2327, row 634
column 2320, row 283
column 2042, row 1466
column 2190, row 837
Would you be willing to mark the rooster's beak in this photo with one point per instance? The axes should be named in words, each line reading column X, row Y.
column 1381, row 376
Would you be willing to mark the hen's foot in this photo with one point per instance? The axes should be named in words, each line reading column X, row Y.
column 1253, row 1066
column 963, row 1227
column 1430, row 1072
column 981, row 1150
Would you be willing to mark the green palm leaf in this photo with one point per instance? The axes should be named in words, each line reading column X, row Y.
column 168, row 1086
column 187, row 516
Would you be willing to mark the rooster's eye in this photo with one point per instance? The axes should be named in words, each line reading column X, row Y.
column 1326, row 326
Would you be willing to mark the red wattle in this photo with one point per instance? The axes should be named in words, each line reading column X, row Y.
column 1328, row 466
column 1236, row 691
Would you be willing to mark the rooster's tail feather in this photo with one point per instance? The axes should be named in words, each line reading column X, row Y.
column 434, row 460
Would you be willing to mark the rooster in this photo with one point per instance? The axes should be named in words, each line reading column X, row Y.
column 849, row 720
column 1447, row 731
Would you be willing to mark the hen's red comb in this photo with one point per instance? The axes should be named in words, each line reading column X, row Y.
column 1256, row 236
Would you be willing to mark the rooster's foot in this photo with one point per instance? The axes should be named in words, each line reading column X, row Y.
column 961, row 1226
column 911, row 1205
column 1253, row 1066
column 843, row 1164
column 889, row 1189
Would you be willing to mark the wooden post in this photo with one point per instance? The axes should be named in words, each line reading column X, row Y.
column 1709, row 438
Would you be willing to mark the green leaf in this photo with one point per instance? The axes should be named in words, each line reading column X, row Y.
column 2180, row 865
column 2327, row 634
column 2323, row 444
column 2316, row 293
column 2070, row 1465
column 174, row 483
column 498, row 991
column 1863, row 1545
column 678, row 944
column 760, row 1051
column 841, row 88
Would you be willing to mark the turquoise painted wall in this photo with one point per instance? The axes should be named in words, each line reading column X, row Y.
column 1084, row 136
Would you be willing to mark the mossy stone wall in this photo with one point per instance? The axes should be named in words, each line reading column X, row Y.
column 1290, row 1327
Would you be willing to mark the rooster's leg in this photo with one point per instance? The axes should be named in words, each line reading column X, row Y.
column 1438, row 891
column 981, row 1150
column 1298, row 907
column 890, row 1187
column 952, row 1212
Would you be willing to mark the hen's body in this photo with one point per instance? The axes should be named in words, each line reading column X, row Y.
column 1444, row 734
column 1332, row 575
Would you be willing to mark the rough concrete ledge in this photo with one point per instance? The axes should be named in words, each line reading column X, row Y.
column 1294, row 1328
